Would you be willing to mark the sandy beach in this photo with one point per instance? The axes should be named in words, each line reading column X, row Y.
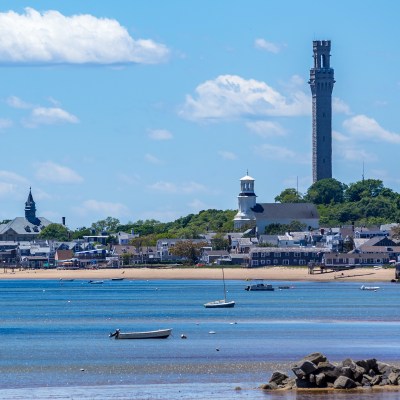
column 269, row 274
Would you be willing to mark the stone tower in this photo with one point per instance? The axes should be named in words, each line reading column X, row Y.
column 246, row 201
column 321, row 83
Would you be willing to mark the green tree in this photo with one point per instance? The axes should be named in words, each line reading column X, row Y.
column 289, row 195
column 188, row 250
column 365, row 188
column 326, row 191
column 219, row 242
column 106, row 225
column 54, row 232
column 79, row 233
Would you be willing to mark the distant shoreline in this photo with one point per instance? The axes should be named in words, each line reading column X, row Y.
column 204, row 273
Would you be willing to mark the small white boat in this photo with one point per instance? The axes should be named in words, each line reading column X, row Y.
column 96, row 282
column 374, row 288
column 158, row 334
column 259, row 285
column 220, row 304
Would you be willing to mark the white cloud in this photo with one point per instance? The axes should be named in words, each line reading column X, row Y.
column 366, row 127
column 274, row 152
column 49, row 116
column 227, row 155
column 354, row 154
column 340, row 107
column 53, row 38
column 160, row 134
column 340, row 137
column 128, row 179
column 152, row 159
column 266, row 128
column 16, row 102
column 52, row 172
column 267, row 46
column 169, row 187
column 11, row 183
column 103, row 208
column 230, row 97
column 197, row 205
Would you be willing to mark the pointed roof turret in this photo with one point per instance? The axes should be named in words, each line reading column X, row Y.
column 30, row 208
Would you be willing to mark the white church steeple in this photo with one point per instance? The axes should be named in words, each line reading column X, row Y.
column 246, row 201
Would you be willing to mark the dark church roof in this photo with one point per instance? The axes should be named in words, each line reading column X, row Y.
column 293, row 211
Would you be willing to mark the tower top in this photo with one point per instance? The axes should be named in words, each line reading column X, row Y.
column 30, row 209
column 322, row 50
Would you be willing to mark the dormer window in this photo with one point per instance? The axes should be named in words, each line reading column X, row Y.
column 27, row 228
column 35, row 229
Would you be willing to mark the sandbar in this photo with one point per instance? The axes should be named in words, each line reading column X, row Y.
column 204, row 273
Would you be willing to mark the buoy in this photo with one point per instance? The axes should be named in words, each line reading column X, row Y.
column 183, row 336
column 217, row 349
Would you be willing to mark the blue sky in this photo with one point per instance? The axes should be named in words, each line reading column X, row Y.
column 156, row 109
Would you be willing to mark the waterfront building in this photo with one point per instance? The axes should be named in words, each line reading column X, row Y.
column 321, row 83
column 259, row 215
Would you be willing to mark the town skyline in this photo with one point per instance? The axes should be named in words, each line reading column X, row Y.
column 156, row 110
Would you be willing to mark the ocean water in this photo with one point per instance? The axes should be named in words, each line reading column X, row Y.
column 55, row 344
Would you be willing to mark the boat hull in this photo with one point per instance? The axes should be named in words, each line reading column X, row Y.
column 220, row 304
column 158, row 334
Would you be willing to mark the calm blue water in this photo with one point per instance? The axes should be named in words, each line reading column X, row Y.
column 54, row 337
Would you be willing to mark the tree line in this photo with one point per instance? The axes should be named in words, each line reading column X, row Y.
column 363, row 203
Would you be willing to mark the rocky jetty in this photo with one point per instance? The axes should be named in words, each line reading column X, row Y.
column 316, row 372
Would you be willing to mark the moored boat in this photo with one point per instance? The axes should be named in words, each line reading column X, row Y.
column 220, row 304
column 157, row 334
column 374, row 288
column 259, row 285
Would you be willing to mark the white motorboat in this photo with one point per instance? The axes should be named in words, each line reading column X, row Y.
column 373, row 288
column 158, row 334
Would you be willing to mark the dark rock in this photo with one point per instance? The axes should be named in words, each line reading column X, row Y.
column 376, row 380
column 346, row 371
column 343, row 382
column 383, row 368
column 384, row 382
column 320, row 380
column 278, row 377
column 315, row 358
column 330, row 371
column 304, row 368
column 268, row 386
column 311, row 378
column 305, row 384
column 394, row 377
column 367, row 364
column 348, row 362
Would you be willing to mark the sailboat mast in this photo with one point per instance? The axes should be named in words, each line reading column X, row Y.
column 223, row 278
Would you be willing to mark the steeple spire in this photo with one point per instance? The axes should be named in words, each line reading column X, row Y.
column 30, row 208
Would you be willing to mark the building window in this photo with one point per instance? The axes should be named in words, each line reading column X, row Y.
column 297, row 254
column 305, row 254
column 254, row 263
column 268, row 262
column 275, row 261
column 285, row 262
column 262, row 262
column 302, row 262
column 262, row 254
column 277, row 255
column 287, row 254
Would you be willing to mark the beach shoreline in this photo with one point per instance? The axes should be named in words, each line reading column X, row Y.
column 205, row 273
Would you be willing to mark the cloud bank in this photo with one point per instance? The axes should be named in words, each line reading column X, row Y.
column 53, row 38
column 231, row 96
